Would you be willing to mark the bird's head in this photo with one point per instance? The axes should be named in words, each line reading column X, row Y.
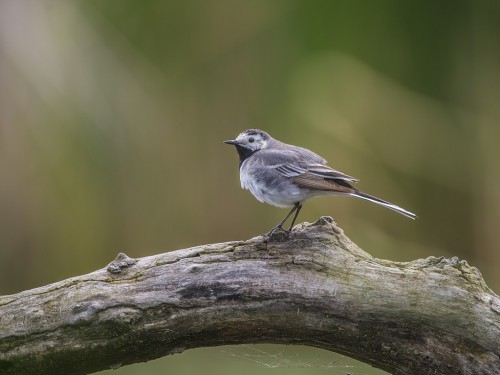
column 251, row 140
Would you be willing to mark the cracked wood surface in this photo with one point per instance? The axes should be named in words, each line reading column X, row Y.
column 428, row 316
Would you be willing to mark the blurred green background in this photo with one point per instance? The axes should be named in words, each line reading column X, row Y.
column 113, row 113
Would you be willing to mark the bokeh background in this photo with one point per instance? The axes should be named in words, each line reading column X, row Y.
column 113, row 113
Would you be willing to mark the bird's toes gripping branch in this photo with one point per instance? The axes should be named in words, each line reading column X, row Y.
column 278, row 233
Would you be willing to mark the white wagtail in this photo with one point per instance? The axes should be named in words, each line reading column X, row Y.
column 285, row 176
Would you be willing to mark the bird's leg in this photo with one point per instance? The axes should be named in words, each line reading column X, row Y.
column 296, row 207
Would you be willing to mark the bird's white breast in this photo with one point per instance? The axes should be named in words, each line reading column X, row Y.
column 276, row 191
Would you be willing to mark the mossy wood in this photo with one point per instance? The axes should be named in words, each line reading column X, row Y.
column 428, row 316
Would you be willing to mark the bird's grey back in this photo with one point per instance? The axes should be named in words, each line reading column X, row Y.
column 298, row 152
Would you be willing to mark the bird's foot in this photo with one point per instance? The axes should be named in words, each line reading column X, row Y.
column 277, row 234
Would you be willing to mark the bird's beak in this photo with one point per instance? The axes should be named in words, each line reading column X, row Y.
column 232, row 142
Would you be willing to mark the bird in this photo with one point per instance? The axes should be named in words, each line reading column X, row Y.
column 284, row 175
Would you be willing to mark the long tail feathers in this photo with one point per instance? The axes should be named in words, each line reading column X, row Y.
column 376, row 200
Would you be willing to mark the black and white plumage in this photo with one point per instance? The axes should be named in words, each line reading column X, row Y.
column 285, row 176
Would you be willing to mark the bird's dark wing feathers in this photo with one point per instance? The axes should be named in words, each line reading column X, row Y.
column 306, row 173
column 329, row 173
column 313, row 182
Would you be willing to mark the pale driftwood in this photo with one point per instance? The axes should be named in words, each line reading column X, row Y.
column 429, row 316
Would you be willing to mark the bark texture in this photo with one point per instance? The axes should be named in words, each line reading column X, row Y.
column 428, row 316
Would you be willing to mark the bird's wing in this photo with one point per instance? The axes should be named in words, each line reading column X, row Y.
column 325, row 171
column 313, row 182
column 306, row 174
column 316, row 170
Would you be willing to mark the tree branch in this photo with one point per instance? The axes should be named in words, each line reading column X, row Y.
column 428, row 316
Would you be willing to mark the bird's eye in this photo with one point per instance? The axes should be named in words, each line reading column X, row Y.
column 251, row 140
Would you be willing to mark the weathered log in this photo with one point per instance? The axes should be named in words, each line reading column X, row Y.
column 428, row 316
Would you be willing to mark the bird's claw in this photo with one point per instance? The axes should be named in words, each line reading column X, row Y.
column 277, row 234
